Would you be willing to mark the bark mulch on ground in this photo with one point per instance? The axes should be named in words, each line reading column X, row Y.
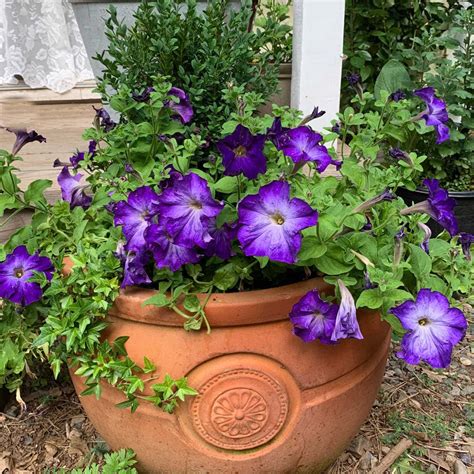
column 422, row 422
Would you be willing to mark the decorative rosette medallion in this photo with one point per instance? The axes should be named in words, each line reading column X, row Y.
column 240, row 409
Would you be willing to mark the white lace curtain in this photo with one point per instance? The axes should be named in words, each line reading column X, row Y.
column 41, row 42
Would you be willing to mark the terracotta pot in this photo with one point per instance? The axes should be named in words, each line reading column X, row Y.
column 267, row 401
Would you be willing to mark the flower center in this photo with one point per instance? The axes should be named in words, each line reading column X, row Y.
column 278, row 219
column 423, row 321
column 240, row 151
column 195, row 204
column 18, row 272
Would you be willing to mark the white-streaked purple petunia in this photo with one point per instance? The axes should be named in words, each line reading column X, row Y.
column 436, row 114
column 135, row 215
column 180, row 104
column 16, row 270
column 166, row 253
column 302, row 145
column 189, row 209
column 313, row 318
column 23, row 137
column 346, row 325
column 221, row 243
column 242, row 152
column 134, row 271
column 433, row 329
column 270, row 223
column 72, row 190
column 438, row 205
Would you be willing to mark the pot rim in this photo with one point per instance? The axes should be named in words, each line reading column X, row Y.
column 222, row 309
column 455, row 194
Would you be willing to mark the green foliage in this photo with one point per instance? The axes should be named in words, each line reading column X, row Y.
column 118, row 462
column 202, row 53
column 416, row 44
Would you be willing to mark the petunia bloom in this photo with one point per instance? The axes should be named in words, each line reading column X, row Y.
column 16, row 270
column 103, row 119
column 276, row 131
column 398, row 154
column 346, row 324
column 435, row 114
column 134, row 272
column 166, row 253
column 143, row 96
column 314, row 318
column 466, row 240
column 270, row 223
column 385, row 195
column 242, row 152
column 72, row 190
column 190, row 209
column 135, row 215
column 438, row 205
column 182, row 108
column 221, row 243
column 302, row 144
column 398, row 95
column 433, row 329
column 425, row 245
column 23, row 137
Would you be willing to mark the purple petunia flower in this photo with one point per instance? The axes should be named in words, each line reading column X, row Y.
column 23, row 137
column 135, row 215
column 134, row 272
column 276, row 131
column 466, row 240
column 302, row 144
column 103, row 119
column 16, row 270
column 76, row 158
column 346, row 321
column 316, row 113
column 336, row 128
column 221, row 243
column 434, row 328
column 190, row 209
column 71, row 189
column 270, row 223
column 438, row 205
column 242, row 152
column 435, row 114
column 166, row 252
column 385, row 195
column 398, row 154
column 314, row 318
column 182, row 108
column 144, row 96
column 398, row 95
column 425, row 245
column 353, row 78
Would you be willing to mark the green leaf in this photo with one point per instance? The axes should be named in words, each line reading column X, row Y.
column 372, row 299
column 226, row 277
column 191, row 303
column 393, row 76
column 227, row 184
column 311, row 248
column 35, row 191
column 420, row 262
column 157, row 299
column 332, row 262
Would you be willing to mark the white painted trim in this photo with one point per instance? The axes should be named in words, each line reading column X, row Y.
column 318, row 34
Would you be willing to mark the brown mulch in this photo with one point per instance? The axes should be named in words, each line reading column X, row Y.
column 422, row 421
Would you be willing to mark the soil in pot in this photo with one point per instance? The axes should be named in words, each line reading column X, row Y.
column 464, row 209
column 268, row 402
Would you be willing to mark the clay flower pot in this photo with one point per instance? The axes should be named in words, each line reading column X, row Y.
column 267, row 401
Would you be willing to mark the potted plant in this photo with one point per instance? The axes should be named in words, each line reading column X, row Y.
column 210, row 46
column 439, row 69
column 286, row 281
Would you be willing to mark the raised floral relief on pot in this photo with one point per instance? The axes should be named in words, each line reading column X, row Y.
column 240, row 409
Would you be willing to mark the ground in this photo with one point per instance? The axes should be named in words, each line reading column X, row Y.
column 431, row 410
